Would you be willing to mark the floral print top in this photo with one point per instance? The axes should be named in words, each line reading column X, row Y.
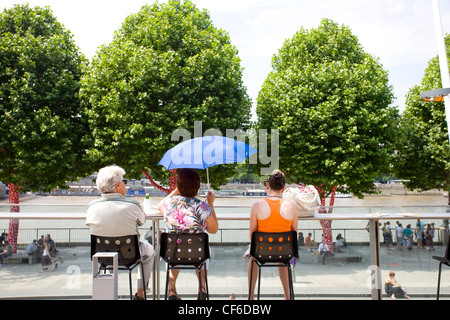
column 182, row 214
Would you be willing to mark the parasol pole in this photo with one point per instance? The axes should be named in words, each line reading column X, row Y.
column 207, row 177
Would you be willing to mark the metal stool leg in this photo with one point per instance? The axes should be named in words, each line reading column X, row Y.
column 259, row 280
column 131, row 286
column 439, row 281
column 251, row 278
column 200, row 279
column 167, row 281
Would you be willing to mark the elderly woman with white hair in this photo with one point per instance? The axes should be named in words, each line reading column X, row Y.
column 114, row 215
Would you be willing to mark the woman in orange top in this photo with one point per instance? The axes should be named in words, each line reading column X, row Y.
column 273, row 214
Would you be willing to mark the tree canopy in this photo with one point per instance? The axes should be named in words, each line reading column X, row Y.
column 166, row 67
column 331, row 102
column 423, row 156
column 42, row 134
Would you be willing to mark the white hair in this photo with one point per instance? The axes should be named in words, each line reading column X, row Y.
column 107, row 178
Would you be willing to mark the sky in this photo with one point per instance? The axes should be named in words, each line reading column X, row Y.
column 401, row 33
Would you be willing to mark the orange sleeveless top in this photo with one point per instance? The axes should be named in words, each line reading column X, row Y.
column 275, row 222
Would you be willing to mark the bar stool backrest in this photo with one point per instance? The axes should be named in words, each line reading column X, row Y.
column 185, row 248
column 274, row 247
column 126, row 246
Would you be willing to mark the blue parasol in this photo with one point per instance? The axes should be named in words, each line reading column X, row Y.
column 205, row 152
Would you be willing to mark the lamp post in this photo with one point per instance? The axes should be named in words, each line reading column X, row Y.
column 440, row 94
column 436, row 95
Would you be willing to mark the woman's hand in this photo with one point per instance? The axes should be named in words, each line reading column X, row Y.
column 212, row 225
column 210, row 197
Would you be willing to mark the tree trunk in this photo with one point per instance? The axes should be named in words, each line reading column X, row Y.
column 326, row 224
column 13, row 230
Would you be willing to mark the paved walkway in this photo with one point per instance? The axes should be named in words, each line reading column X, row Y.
column 228, row 274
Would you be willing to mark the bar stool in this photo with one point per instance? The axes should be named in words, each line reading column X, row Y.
column 442, row 260
column 185, row 251
column 273, row 250
column 129, row 255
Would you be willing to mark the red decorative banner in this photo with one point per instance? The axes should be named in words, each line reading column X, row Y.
column 13, row 224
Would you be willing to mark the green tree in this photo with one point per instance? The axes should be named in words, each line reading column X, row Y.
column 423, row 156
column 42, row 139
column 330, row 101
column 166, row 67
column 243, row 175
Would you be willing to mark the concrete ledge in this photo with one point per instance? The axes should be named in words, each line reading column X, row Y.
column 19, row 257
column 347, row 255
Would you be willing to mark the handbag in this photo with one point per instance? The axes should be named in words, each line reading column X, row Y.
column 305, row 198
